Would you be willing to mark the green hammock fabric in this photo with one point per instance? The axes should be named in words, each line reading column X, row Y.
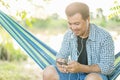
column 42, row 54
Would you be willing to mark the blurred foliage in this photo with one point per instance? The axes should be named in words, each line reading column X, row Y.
column 105, row 23
column 22, row 14
column 52, row 25
column 3, row 53
column 115, row 11
column 51, row 22
column 47, row 0
column 25, row 21
column 9, row 53
column 15, row 54
column 102, row 20
column 7, row 49
column 2, row 2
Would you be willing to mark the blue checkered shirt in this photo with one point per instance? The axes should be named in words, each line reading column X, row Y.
column 99, row 47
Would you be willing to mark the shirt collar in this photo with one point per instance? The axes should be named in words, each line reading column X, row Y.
column 92, row 32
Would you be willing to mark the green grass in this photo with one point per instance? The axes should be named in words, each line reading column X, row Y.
column 10, row 71
column 17, row 71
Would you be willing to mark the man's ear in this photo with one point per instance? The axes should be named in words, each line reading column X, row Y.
column 87, row 21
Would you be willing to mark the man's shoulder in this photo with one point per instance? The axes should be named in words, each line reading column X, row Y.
column 68, row 33
column 98, row 33
column 100, row 30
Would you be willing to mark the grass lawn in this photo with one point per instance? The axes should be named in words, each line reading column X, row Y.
column 19, row 71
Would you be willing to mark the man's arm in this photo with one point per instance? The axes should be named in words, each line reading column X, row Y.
column 77, row 67
column 90, row 68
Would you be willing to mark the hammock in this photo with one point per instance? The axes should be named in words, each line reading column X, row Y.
column 42, row 54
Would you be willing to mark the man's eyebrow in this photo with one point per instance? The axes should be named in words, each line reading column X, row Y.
column 73, row 22
column 77, row 22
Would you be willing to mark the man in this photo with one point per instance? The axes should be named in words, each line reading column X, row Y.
column 87, row 51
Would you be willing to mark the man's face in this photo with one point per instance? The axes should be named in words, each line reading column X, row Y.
column 77, row 24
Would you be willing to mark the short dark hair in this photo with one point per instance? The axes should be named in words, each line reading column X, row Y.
column 77, row 7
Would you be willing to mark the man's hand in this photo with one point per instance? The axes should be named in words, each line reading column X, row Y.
column 74, row 67
column 61, row 64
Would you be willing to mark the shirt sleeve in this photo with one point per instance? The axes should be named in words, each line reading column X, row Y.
column 64, row 51
column 107, row 56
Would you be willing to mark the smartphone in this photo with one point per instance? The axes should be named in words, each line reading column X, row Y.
column 62, row 63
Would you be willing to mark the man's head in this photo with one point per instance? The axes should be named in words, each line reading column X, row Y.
column 77, row 7
column 78, row 18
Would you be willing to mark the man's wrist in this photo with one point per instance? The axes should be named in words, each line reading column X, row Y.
column 93, row 68
column 89, row 68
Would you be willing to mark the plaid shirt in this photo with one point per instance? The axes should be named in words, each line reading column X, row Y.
column 99, row 47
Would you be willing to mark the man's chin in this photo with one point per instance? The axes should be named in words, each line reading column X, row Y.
column 76, row 34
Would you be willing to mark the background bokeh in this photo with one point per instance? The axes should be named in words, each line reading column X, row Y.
column 46, row 20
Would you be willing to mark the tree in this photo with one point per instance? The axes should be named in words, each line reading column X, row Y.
column 115, row 11
column 22, row 14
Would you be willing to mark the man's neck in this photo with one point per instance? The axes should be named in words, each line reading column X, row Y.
column 86, row 33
